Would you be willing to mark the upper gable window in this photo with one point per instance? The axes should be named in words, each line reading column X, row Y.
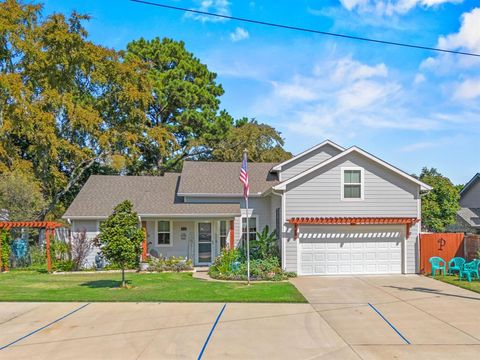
column 352, row 184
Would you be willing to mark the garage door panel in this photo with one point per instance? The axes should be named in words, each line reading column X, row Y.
column 350, row 250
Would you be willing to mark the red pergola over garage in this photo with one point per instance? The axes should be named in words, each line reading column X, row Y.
column 49, row 227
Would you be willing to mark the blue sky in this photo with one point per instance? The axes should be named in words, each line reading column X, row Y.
column 412, row 108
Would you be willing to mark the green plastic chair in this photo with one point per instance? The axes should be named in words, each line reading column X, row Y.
column 455, row 265
column 469, row 270
column 438, row 264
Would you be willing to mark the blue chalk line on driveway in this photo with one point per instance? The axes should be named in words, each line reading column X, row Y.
column 43, row 327
column 211, row 332
column 389, row 323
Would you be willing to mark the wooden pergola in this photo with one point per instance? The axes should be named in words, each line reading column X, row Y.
column 49, row 227
column 407, row 221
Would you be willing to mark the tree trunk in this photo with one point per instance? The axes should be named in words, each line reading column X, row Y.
column 123, row 276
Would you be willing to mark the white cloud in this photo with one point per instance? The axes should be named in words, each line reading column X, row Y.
column 239, row 34
column 419, row 78
column 341, row 98
column 468, row 37
column 468, row 89
column 391, row 7
column 221, row 7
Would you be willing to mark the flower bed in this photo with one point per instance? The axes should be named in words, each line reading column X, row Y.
column 230, row 265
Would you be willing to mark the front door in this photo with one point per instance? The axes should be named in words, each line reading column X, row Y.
column 204, row 243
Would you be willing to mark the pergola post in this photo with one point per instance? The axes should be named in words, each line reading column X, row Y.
column 47, row 240
column 232, row 234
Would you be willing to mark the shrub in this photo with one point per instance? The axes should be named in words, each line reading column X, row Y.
column 260, row 269
column 264, row 246
column 223, row 263
column 37, row 256
column 80, row 247
column 64, row 265
column 173, row 263
column 5, row 244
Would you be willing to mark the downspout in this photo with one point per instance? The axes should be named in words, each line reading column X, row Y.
column 282, row 230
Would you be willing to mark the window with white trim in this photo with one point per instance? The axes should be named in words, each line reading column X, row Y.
column 163, row 233
column 223, row 234
column 352, row 184
column 252, row 229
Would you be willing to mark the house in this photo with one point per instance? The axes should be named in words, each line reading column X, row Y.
column 468, row 217
column 334, row 210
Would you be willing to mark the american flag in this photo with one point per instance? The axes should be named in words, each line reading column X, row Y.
column 244, row 176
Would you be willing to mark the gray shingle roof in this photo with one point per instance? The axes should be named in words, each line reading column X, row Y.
column 151, row 195
column 205, row 177
column 470, row 215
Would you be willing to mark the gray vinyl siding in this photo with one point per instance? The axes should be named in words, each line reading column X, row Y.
column 91, row 231
column 413, row 250
column 471, row 198
column 290, row 249
column 319, row 193
column 308, row 161
column 259, row 207
column 179, row 247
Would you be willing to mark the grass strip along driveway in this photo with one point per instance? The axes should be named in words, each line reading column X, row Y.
column 32, row 286
column 453, row 280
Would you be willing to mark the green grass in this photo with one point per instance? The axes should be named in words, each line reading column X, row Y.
column 472, row 286
column 34, row 286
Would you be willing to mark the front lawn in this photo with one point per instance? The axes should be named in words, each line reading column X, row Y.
column 473, row 286
column 32, row 286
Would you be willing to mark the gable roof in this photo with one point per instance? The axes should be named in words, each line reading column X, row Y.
column 472, row 181
column 316, row 147
column 282, row 185
column 470, row 215
column 150, row 195
column 204, row 178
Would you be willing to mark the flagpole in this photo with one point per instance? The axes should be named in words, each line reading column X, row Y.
column 248, row 242
column 248, row 228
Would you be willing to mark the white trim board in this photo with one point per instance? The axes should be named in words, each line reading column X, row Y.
column 283, row 185
column 326, row 142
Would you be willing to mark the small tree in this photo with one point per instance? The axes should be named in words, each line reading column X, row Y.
column 80, row 247
column 121, row 237
column 440, row 205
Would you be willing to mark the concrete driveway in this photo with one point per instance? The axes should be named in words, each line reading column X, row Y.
column 398, row 317
column 378, row 317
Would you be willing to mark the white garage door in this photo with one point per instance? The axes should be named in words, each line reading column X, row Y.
column 359, row 249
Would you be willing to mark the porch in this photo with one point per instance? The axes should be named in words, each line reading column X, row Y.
column 198, row 239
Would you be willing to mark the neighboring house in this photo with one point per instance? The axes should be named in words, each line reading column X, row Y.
column 468, row 217
column 335, row 210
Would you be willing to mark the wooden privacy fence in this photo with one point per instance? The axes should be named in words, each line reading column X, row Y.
column 444, row 245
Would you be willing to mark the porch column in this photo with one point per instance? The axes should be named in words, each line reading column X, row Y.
column 47, row 240
column 144, row 242
column 232, row 234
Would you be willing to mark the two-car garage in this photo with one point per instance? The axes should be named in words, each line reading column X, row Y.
column 350, row 249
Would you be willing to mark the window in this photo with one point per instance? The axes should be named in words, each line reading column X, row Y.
column 252, row 229
column 163, row 233
column 223, row 234
column 352, row 181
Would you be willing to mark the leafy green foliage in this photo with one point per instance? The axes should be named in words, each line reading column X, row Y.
column 263, row 143
column 5, row 248
column 223, row 264
column 264, row 264
column 265, row 245
column 440, row 205
column 183, row 118
column 173, row 263
column 70, row 108
column 121, row 237
column 20, row 196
